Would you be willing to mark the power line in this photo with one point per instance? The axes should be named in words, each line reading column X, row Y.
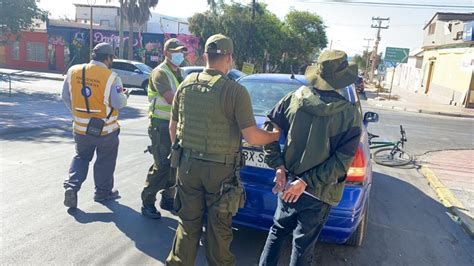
column 388, row 4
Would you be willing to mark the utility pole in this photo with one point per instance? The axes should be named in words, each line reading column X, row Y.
column 121, row 30
column 379, row 27
column 366, row 72
column 252, row 30
column 91, row 41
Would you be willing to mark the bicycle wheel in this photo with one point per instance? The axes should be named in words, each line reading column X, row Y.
column 384, row 157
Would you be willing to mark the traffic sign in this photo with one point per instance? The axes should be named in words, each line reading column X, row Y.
column 248, row 68
column 396, row 55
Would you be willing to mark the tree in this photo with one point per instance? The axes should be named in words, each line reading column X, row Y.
column 136, row 12
column 19, row 15
column 305, row 32
column 275, row 43
column 213, row 4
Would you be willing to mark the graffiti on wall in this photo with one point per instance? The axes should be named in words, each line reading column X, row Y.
column 191, row 42
column 114, row 39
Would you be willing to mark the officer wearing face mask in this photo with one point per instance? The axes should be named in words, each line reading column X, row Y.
column 164, row 80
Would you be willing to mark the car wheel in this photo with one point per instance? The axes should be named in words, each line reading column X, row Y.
column 145, row 86
column 357, row 237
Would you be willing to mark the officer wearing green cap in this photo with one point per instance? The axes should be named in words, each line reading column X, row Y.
column 312, row 169
column 164, row 80
column 210, row 114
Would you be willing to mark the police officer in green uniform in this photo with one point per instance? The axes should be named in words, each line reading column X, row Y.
column 210, row 114
column 164, row 80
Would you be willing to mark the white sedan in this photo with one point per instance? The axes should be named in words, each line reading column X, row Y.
column 133, row 74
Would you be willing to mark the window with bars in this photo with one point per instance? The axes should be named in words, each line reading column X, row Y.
column 35, row 52
column 16, row 51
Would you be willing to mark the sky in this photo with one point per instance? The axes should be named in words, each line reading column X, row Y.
column 347, row 24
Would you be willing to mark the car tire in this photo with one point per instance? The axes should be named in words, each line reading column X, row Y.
column 145, row 86
column 357, row 237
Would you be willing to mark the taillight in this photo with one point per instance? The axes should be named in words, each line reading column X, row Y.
column 357, row 170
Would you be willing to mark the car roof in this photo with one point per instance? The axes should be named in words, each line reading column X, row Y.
column 127, row 61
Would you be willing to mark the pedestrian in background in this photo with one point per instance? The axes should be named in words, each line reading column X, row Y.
column 322, row 132
column 164, row 80
column 210, row 114
column 94, row 95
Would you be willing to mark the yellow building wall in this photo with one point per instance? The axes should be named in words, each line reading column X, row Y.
column 451, row 74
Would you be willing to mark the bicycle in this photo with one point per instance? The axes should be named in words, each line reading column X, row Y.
column 390, row 153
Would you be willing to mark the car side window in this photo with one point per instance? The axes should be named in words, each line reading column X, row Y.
column 118, row 65
column 130, row 67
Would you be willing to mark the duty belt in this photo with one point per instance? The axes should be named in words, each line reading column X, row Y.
column 228, row 159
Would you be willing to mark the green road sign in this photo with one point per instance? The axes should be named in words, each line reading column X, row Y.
column 396, row 55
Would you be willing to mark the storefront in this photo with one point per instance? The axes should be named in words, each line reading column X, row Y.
column 29, row 51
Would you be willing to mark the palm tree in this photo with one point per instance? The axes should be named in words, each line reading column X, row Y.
column 136, row 11
column 213, row 4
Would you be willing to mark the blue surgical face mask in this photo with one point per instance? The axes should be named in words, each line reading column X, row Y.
column 177, row 58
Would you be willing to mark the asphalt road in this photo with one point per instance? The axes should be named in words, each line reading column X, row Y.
column 407, row 225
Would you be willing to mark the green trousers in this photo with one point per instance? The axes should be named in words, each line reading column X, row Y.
column 199, row 188
column 159, row 174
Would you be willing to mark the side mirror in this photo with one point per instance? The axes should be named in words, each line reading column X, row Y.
column 371, row 117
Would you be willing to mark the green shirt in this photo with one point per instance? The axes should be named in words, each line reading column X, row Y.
column 160, row 82
column 236, row 102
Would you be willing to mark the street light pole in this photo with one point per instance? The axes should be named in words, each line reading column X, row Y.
column 91, row 42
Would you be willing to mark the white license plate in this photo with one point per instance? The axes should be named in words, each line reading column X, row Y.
column 254, row 158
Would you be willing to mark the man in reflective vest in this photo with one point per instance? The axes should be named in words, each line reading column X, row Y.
column 164, row 80
column 94, row 94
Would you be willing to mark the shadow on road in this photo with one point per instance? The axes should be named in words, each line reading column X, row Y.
column 143, row 232
column 406, row 227
column 37, row 116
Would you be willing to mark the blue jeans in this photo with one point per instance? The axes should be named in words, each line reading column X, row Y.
column 305, row 220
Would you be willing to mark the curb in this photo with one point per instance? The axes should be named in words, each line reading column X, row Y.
column 412, row 110
column 34, row 76
column 448, row 199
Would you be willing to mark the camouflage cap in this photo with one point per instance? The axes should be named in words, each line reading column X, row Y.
column 219, row 44
column 103, row 48
column 332, row 71
column 174, row 45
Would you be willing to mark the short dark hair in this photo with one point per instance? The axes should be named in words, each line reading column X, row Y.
column 212, row 58
column 100, row 57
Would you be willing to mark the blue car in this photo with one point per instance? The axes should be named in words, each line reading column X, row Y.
column 347, row 222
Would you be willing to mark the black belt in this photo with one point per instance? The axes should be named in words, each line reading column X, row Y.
column 230, row 159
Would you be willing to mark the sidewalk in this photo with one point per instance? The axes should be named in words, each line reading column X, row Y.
column 409, row 101
column 451, row 175
column 33, row 74
column 25, row 111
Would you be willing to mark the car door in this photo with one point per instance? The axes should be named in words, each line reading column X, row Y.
column 135, row 75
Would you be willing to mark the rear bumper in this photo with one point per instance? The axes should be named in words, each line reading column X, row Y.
column 342, row 222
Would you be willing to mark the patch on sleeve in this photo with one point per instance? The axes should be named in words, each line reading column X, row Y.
column 119, row 89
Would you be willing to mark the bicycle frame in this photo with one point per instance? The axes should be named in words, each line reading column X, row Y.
column 381, row 144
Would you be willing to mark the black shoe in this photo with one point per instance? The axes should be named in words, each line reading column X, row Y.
column 70, row 198
column 150, row 211
column 167, row 204
column 114, row 194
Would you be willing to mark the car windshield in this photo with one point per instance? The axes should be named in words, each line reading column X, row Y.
column 265, row 95
column 144, row 68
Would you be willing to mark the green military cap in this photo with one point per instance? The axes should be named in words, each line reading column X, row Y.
column 174, row 45
column 332, row 71
column 219, row 44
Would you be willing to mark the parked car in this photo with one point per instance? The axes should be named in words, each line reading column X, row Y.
column 234, row 74
column 347, row 222
column 133, row 74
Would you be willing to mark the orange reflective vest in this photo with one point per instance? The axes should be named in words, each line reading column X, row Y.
column 99, row 81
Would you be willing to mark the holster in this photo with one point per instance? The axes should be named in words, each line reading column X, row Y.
column 232, row 196
column 175, row 155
